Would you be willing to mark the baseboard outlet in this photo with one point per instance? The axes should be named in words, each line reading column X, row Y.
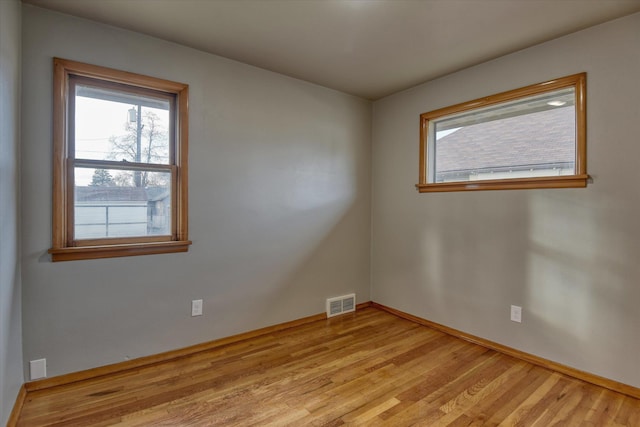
column 38, row 369
column 527, row 357
column 17, row 407
column 168, row 356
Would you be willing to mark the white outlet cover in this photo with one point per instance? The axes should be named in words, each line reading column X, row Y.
column 38, row 369
column 196, row 307
column 516, row 313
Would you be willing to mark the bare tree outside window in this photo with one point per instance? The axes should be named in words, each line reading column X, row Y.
column 144, row 141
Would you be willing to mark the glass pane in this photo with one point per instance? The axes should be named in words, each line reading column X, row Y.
column 113, row 125
column 109, row 204
column 530, row 137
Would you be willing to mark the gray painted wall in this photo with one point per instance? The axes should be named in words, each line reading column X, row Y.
column 279, row 205
column 10, row 293
column 569, row 257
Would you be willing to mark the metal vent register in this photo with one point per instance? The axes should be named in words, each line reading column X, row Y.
column 341, row 305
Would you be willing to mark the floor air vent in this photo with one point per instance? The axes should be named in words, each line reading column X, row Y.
column 340, row 305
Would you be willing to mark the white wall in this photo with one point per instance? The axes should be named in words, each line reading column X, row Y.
column 569, row 257
column 279, row 205
column 10, row 294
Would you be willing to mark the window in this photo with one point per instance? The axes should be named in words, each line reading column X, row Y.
column 533, row 137
column 119, row 163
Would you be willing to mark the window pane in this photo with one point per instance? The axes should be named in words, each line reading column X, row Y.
column 108, row 204
column 530, row 137
column 113, row 125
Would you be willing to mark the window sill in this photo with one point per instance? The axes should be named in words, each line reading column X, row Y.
column 113, row 251
column 572, row 181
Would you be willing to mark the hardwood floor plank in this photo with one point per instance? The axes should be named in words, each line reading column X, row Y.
column 369, row 368
column 603, row 412
column 482, row 391
column 492, row 411
column 629, row 414
column 431, row 409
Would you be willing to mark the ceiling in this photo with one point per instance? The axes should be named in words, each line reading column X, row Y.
column 368, row 48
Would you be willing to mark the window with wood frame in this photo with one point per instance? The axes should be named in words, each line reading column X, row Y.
column 532, row 137
column 120, row 165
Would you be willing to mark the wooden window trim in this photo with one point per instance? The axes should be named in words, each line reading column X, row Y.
column 577, row 180
column 64, row 248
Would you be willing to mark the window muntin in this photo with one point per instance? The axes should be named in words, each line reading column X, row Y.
column 120, row 163
column 527, row 138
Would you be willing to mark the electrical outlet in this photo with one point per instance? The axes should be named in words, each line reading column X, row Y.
column 516, row 313
column 38, row 369
column 196, row 307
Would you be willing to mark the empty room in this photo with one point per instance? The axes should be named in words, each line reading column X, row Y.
column 319, row 212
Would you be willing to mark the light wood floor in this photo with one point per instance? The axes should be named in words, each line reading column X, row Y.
column 370, row 368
